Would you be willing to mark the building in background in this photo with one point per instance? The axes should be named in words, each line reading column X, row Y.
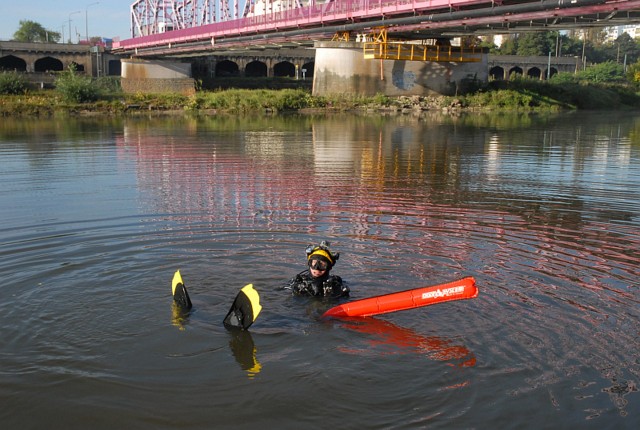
column 614, row 32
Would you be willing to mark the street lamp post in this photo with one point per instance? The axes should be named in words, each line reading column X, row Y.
column 72, row 13
column 86, row 20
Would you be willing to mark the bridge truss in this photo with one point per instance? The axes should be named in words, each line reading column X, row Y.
column 159, row 16
column 191, row 27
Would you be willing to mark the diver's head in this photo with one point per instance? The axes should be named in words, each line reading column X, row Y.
column 320, row 259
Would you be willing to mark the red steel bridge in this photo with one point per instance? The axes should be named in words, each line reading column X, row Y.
column 170, row 28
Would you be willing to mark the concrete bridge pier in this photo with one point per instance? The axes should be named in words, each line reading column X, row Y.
column 157, row 76
column 340, row 68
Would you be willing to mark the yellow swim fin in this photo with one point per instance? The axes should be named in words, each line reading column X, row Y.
column 179, row 291
column 244, row 310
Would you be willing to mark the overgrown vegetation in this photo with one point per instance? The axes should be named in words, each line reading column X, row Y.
column 591, row 44
column 12, row 83
column 603, row 73
column 518, row 94
column 600, row 88
column 243, row 100
column 76, row 88
column 603, row 86
column 612, row 83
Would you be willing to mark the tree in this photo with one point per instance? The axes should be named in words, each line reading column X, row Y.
column 569, row 46
column 534, row 43
column 30, row 31
column 509, row 45
column 625, row 45
column 470, row 41
column 487, row 43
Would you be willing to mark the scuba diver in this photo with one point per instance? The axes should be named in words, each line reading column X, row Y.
column 317, row 280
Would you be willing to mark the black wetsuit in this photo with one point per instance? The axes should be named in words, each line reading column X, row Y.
column 331, row 286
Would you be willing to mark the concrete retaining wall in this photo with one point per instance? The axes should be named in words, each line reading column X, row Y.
column 341, row 68
column 155, row 76
column 184, row 86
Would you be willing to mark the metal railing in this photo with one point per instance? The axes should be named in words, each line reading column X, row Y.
column 313, row 15
column 417, row 52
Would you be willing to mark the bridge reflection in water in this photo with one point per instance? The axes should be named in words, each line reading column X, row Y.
column 541, row 209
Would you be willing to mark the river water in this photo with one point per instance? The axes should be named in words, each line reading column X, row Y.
column 542, row 210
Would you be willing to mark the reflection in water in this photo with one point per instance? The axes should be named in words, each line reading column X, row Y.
column 542, row 210
column 347, row 172
column 549, row 221
column 244, row 351
column 179, row 316
column 355, row 157
column 388, row 338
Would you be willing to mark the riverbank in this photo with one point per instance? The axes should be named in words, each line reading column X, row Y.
column 523, row 95
column 50, row 103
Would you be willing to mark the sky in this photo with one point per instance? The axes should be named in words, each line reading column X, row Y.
column 108, row 18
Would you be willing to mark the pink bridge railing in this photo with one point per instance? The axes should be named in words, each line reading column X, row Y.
column 342, row 12
column 331, row 13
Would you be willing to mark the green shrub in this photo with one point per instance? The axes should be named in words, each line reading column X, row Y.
column 633, row 73
column 12, row 83
column 243, row 100
column 564, row 78
column 501, row 99
column 159, row 101
column 291, row 100
column 594, row 97
column 381, row 99
column 603, row 73
column 75, row 88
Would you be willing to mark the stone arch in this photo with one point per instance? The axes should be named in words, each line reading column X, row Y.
column 13, row 63
column 77, row 67
column 227, row 68
column 47, row 64
column 309, row 69
column 496, row 73
column 515, row 70
column 284, row 68
column 534, row 72
column 255, row 69
column 552, row 71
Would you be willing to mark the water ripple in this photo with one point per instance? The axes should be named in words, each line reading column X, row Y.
column 96, row 224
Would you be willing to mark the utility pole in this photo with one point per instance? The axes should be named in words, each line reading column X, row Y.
column 584, row 43
column 86, row 20
column 72, row 13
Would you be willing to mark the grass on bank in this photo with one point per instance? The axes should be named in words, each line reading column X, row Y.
column 557, row 94
column 79, row 93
